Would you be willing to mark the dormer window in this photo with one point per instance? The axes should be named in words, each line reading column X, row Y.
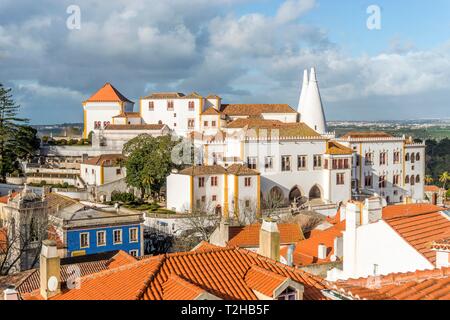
column 288, row 294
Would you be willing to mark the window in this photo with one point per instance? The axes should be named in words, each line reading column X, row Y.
column 97, row 124
column 301, row 163
column 369, row 158
column 368, row 181
column 134, row 252
column 191, row 123
column 118, row 171
column 285, row 163
column 407, row 180
column 396, row 180
column 248, row 182
column 397, row 157
column 117, row 236
column 288, row 294
column 214, row 198
column 325, row 164
column 407, row 157
column 317, row 161
column 175, row 115
column 417, row 156
column 191, row 105
column 169, row 105
column 247, row 203
column 105, row 124
column 84, row 240
column 340, row 178
column 382, row 182
column 133, row 235
column 268, row 162
column 174, row 124
column 151, row 106
column 213, row 181
column 340, row 164
column 213, row 124
column 101, row 238
column 251, row 162
column 205, row 123
column 201, row 182
column 203, row 199
column 417, row 179
column 383, row 158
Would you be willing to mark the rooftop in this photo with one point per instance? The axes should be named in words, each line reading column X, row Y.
column 248, row 236
column 226, row 273
column 135, row 127
column 105, row 160
column 254, row 109
column 108, row 93
column 235, row 169
column 367, row 134
column 335, row 148
column 418, row 285
column 165, row 95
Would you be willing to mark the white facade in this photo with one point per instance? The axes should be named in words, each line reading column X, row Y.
column 97, row 175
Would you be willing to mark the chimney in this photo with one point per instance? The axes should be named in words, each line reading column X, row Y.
column 442, row 254
column 322, row 251
column 339, row 247
column 269, row 240
column 10, row 293
column 50, row 283
column 290, row 255
column 372, row 210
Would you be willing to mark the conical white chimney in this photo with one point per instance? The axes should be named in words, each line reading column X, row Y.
column 302, row 100
column 312, row 112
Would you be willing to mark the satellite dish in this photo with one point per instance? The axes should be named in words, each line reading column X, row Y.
column 52, row 283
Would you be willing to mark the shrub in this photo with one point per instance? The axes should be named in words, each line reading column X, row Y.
column 125, row 197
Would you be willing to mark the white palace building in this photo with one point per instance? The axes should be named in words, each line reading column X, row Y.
column 253, row 152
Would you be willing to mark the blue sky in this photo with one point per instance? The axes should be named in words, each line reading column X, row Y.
column 244, row 50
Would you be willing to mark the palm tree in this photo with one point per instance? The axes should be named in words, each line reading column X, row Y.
column 428, row 179
column 444, row 178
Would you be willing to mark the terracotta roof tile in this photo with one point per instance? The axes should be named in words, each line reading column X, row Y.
column 367, row 134
column 248, row 236
column 336, row 148
column 396, row 211
column 4, row 199
column 176, row 288
column 106, row 160
column 211, row 111
column 108, row 94
column 418, row 285
column 263, row 280
column 241, row 170
column 128, row 115
column 165, row 95
column 252, row 122
column 432, row 189
column 135, row 127
column 203, row 170
column 255, row 109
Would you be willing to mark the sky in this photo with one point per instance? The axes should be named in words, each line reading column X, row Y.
column 247, row 51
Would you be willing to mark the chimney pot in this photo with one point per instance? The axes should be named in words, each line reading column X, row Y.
column 49, row 269
column 269, row 240
column 322, row 251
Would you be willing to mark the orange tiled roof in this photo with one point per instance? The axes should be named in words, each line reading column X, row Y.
column 128, row 115
column 441, row 244
column 248, row 236
column 421, row 229
column 105, row 160
column 255, row 109
column 4, row 199
column 263, row 280
column 220, row 271
column 403, row 210
column 211, row 111
column 30, row 281
column 337, row 149
column 108, row 94
column 254, row 122
column 203, row 170
column 418, row 285
column 135, row 126
column 367, row 134
column 165, row 95
column 306, row 251
column 241, row 170
column 432, row 189
column 176, row 288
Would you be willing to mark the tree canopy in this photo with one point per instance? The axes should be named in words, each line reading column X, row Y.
column 149, row 162
column 17, row 140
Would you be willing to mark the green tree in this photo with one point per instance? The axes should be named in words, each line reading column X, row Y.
column 148, row 162
column 444, row 178
column 12, row 132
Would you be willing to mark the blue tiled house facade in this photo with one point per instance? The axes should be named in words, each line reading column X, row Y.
column 81, row 241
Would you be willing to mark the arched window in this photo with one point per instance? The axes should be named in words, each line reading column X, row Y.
column 407, row 180
column 417, row 156
column 407, row 157
column 417, row 179
column 412, row 180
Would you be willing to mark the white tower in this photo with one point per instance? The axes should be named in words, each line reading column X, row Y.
column 301, row 102
column 312, row 111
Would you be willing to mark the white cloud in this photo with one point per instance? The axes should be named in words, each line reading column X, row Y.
column 292, row 9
